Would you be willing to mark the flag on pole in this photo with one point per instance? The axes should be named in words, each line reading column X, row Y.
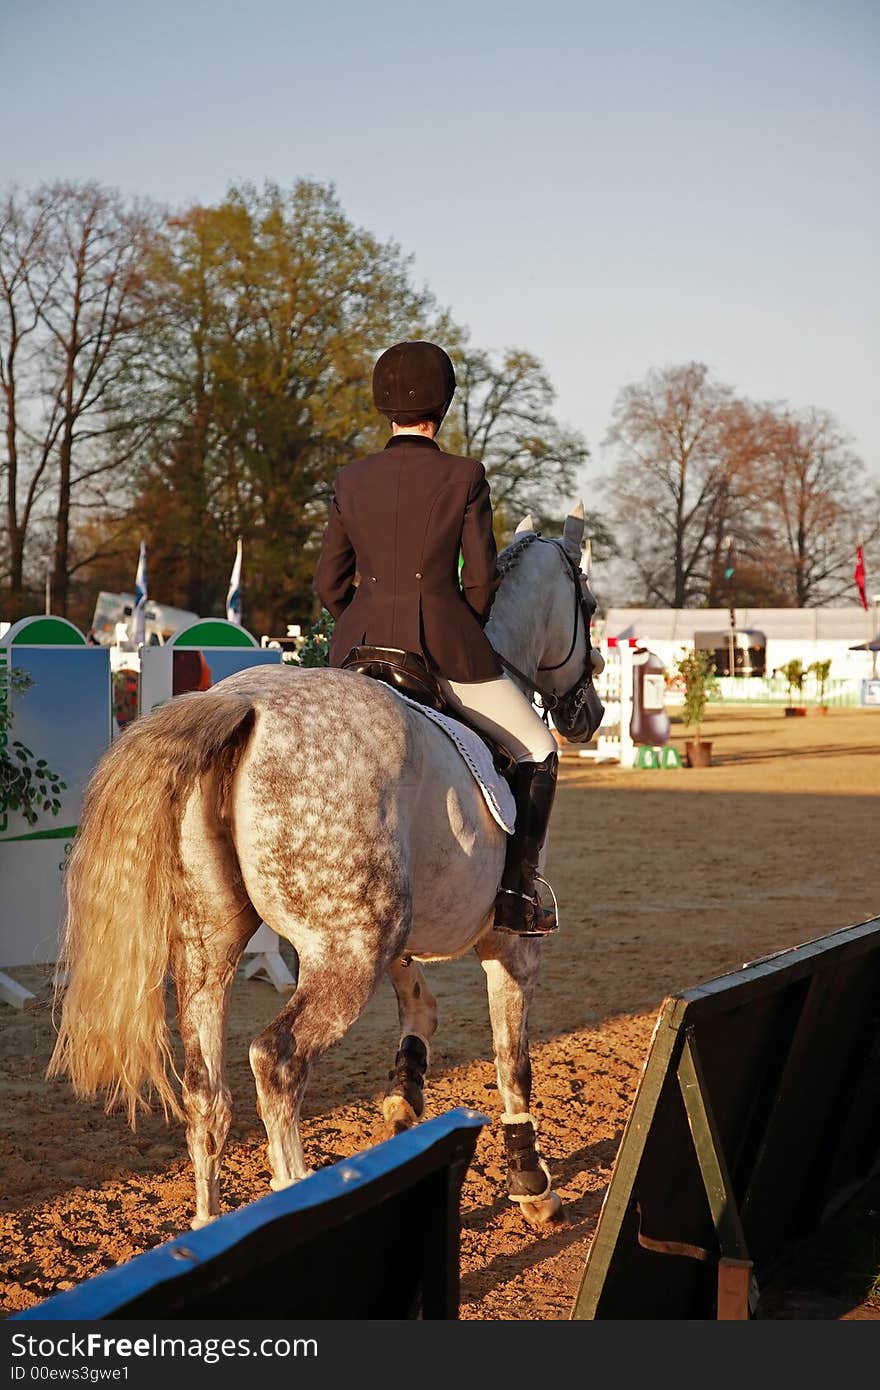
column 729, row 560
column 233, row 593
column 139, row 623
column 859, row 577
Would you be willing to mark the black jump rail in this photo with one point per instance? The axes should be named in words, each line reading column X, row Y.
column 756, row 1119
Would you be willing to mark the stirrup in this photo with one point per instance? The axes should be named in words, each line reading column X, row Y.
column 539, row 910
column 548, row 931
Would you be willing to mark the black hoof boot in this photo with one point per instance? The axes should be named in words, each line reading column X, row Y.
column 404, row 1101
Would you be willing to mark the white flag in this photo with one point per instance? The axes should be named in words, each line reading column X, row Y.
column 233, row 593
column 139, row 625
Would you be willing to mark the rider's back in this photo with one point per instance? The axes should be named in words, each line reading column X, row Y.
column 403, row 515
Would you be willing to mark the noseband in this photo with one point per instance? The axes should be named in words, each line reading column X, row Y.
column 582, row 698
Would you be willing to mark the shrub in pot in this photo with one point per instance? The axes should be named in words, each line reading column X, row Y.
column 794, row 673
column 696, row 670
column 821, row 670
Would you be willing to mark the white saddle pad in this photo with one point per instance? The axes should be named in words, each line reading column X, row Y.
column 496, row 793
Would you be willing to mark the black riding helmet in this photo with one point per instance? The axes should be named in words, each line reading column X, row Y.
column 414, row 379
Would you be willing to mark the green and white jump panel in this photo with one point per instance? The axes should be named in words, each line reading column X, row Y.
column 195, row 658
column 58, row 721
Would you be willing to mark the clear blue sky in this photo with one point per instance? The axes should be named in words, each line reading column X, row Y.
column 613, row 186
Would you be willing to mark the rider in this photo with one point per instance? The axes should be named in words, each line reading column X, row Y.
column 388, row 573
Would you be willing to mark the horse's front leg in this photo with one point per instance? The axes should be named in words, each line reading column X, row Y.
column 404, row 1102
column 511, row 967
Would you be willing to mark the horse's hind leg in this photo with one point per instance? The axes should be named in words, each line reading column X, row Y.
column 511, row 968
column 218, row 920
column 334, row 985
column 404, row 1102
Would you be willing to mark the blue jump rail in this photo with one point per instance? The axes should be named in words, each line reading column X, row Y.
column 403, row 1190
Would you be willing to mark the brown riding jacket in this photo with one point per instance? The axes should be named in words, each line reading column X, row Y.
column 399, row 519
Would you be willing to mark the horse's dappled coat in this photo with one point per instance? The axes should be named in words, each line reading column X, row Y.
column 321, row 803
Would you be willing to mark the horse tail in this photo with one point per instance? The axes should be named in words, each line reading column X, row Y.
column 123, row 884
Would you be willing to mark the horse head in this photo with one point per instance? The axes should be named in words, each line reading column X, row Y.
column 540, row 623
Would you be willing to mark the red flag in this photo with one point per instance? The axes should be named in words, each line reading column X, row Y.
column 859, row 576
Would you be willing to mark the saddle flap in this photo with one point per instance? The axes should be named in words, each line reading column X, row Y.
column 408, row 673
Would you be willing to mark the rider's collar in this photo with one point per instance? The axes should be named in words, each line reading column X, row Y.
column 421, row 441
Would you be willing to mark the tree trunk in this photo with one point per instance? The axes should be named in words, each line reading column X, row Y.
column 60, row 576
column 15, row 532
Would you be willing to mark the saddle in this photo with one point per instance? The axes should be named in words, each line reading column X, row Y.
column 409, row 673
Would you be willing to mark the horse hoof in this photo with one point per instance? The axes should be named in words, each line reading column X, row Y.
column 279, row 1184
column 199, row 1221
column 548, row 1210
column 398, row 1115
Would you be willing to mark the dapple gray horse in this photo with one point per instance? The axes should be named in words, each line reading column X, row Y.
column 322, row 804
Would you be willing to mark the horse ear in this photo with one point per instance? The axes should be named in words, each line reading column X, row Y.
column 527, row 524
column 573, row 530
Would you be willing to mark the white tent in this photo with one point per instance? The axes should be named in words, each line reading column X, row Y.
column 808, row 634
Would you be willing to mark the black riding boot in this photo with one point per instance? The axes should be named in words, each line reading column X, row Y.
column 517, row 908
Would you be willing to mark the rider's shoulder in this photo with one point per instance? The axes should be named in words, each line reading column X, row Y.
column 463, row 466
column 357, row 467
column 455, row 466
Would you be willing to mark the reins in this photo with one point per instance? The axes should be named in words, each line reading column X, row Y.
column 579, row 607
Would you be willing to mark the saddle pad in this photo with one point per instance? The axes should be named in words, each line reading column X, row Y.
column 496, row 793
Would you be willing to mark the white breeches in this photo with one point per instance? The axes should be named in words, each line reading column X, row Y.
column 499, row 708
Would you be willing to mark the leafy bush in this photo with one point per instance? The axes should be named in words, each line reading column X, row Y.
column 794, row 673
column 697, row 672
column 27, row 783
column 821, row 670
column 315, row 650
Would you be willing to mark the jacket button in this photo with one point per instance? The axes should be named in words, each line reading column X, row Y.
column 418, row 576
column 372, row 579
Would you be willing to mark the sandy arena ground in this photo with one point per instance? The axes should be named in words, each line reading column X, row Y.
column 665, row 879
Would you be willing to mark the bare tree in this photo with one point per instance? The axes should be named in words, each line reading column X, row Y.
column 72, row 272
column 503, row 415
column 676, row 436
column 736, row 531
column 816, row 505
column 23, row 238
column 699, row 468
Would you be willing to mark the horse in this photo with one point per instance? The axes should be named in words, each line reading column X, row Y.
column 320, row 802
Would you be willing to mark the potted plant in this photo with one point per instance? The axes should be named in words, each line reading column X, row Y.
column 821, row 670
column 794, row 673
column 696, row 670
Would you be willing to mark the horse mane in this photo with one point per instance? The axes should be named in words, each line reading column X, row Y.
column 515, row 623
column 512, row 554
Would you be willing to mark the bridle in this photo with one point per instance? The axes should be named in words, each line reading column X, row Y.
column 581, row 698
